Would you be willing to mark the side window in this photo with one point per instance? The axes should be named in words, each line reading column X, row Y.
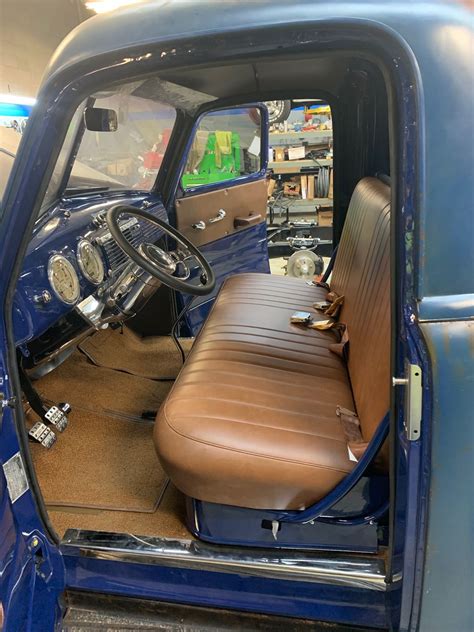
column 226, row 145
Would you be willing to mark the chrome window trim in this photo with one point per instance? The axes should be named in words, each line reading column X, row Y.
column 357, row 571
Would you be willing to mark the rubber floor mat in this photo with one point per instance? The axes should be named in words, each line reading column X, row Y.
column 154, row 358
column 101, row 462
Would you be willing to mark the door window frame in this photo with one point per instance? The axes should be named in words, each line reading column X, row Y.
column 242, row 179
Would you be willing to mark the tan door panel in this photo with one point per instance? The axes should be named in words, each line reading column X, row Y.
column 244, row 205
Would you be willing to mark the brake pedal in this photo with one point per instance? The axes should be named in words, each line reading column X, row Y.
column 57, row 416
column 42, row 434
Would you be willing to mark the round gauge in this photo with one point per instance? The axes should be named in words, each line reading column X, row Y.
column 90, row 262
column 63, row 279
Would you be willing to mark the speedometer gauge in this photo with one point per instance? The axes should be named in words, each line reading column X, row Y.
column 63, row 279
column 90, row 262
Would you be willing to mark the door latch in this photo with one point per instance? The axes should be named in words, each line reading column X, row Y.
column 413, row 400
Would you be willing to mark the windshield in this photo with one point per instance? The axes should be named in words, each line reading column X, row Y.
column 129, row 157
column 6, row 164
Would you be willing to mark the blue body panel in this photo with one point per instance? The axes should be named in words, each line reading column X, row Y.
column 226, row 590
column 429, row 46
column 450, row 530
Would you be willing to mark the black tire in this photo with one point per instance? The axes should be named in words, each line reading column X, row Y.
column 278, row 111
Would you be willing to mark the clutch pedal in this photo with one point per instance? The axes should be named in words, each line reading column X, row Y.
column 42, row 434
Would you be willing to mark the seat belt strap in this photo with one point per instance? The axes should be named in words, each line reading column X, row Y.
column 341, row 348
column 328, row 271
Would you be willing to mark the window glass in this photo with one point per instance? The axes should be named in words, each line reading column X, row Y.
column 226, row 145
column 6, row 164
column 129, row 157
column 132, row 155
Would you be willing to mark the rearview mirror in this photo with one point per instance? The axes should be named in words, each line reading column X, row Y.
column 100, row 120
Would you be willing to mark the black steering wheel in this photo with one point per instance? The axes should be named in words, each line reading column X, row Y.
column 170, row 267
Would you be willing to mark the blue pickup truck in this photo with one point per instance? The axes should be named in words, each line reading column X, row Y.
column 185, row 438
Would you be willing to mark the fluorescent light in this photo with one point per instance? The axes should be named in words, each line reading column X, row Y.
column 103, row 6
column 16, row 99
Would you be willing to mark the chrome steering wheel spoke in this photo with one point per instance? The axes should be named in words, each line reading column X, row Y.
column 173, row 268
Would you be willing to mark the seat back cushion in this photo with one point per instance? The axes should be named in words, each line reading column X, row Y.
column 362, row 274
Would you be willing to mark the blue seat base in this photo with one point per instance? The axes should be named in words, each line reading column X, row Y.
column 225, row 524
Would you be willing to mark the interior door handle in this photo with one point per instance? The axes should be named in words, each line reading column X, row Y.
column 218, row 218
column 199, row 225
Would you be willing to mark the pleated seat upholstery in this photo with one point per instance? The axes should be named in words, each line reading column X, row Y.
column 251, row 420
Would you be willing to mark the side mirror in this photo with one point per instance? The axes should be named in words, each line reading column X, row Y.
column 100, row 120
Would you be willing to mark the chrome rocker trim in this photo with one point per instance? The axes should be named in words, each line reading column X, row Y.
column 367, row 572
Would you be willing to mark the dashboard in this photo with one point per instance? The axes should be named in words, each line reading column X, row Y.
column 75, row 278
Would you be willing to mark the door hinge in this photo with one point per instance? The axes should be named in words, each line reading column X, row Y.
column 37, row 548
column 8, row 402
column 413, row 400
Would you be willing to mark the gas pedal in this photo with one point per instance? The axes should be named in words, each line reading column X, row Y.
column 42, row 434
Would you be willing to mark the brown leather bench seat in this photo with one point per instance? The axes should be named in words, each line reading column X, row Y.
column 251, row 420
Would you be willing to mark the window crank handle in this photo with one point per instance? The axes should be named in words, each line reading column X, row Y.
column 219, row 217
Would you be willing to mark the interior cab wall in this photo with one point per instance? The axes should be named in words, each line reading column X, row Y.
column 361, row 139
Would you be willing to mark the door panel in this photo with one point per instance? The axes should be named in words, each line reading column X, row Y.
column 224, row 198
column 244, row 205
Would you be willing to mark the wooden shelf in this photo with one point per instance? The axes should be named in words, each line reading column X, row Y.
column 299, row 138
column 295, row 166
column 305, row 205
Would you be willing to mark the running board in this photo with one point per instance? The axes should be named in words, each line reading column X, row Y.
column 87, row 611
column 356, row 571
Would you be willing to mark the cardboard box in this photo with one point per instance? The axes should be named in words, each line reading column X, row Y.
column 325, row 217
column 271, row 187
column 121, row 167
column 310, row 187
column 304, row 187
column 330, row 193
column 296, row 153
column 291, row 188
column 279, row 154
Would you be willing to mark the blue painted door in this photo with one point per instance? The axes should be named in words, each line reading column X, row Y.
column 222, row 199
column 31, row 568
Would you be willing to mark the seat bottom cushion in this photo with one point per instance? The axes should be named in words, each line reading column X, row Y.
column 251, row 420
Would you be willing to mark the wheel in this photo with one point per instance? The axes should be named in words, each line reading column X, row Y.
column 304, row 264
column 278, row 111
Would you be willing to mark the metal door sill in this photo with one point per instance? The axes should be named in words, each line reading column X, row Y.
column 343, row 569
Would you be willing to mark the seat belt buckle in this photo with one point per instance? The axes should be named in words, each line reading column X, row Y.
column 42, row 434
column 57, row 418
